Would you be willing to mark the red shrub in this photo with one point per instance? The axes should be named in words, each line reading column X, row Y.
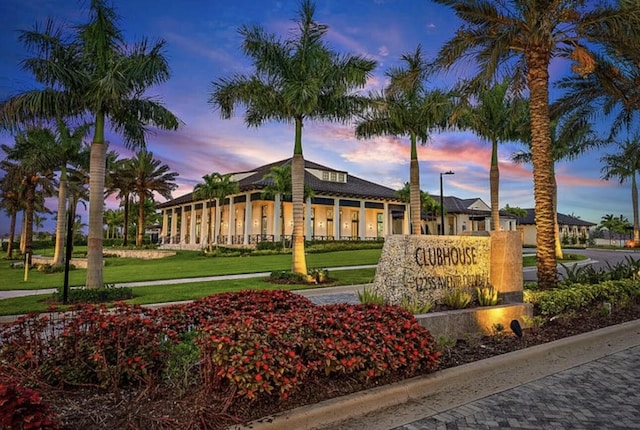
column 23, row 408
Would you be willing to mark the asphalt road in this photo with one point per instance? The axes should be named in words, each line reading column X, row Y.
column 598, row 258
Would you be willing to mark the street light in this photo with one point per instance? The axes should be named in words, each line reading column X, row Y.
column 450, row 172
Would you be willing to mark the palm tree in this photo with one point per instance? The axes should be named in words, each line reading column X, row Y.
column 625, row 165
column 612, row 90
column 406, row 107
column 496, row 115
column 12, row 199
column 31, row 162
column 279, row 188
column 92, row 71
column 113, row 219
column 521, row 37
column 427, row 203
column 121, row 179
column 67, row 151
column 569, row 139
column 215, row 187
column 150, row 176
column 294, row 80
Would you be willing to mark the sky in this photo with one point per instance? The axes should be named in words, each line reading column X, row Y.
column 203, row 45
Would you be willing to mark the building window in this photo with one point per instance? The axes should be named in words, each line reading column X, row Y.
column 325, row 176
column 380, row 224
column 329, row 222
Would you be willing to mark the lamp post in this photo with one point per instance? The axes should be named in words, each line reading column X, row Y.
column 450, row 172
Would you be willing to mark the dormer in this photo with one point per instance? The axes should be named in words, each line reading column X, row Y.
column 329, row 175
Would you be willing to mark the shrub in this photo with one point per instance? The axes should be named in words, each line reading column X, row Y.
column 109, row 293
column 249, row 344
column 415, row 307
column 577, row 296
column 368, row 297
column 457, row 299
column 487, row 296
column 23, row 408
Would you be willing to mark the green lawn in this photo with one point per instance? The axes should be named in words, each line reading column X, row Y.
column 188, row 291
column 189, row 265
column 186, row 264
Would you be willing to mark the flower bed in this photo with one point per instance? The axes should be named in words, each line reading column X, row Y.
column 253, row 346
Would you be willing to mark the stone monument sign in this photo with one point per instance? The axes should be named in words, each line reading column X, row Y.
column 426, row 268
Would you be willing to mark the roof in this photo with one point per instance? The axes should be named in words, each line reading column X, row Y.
column 354, row 187
column 562, row 219
column 455, row 205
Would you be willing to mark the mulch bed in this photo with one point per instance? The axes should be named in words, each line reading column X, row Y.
column 129, row 409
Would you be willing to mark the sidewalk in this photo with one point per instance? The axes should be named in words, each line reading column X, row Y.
column 20, row 293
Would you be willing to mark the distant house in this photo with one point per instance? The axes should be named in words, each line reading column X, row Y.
column 573, row 230
column 343, row 206
column 467, row 215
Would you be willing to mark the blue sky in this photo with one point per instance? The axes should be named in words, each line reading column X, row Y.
column 203, row 45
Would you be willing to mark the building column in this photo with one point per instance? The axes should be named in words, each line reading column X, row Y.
column 337, row 221
column 362, row 222
column 205, row 229
column 406, row 224
column 276, row 219
column 307, row 230
column 174, row 225
column 386, row 217
column 248, row 209
column 216, row 222
column 192, row 225
column 165, row 224
column 183, row 224
column 232, row 221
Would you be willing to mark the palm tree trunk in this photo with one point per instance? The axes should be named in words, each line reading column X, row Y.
column 12, row 233
column 634, row 202
column 61, row 221
column 298, row 263
column 494, row 187
column 140, row 237
column 542, row 157
column 30, row 196
column 414, row 189
column 23, row 232
column 556, row 228
column 125, row 232
column 96, row 206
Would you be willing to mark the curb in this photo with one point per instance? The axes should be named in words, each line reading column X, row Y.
column 456, row 386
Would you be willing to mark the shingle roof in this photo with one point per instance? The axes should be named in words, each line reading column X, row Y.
column 562, row 219
column 455, row 205
column 354, row 187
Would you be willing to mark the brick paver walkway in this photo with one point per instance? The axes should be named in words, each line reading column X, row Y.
column 602, row 394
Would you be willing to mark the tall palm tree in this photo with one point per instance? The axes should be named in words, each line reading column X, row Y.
column 495, row 114
column 570, row 138
column 625, row 165
column 520, row 37
column 150, row 176
column 67, row 151
column 407, row 108
column 294, row 80
column 93, row 72
column 216, row 187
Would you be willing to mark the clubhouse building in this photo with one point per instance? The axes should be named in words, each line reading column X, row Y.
column 341, row 207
